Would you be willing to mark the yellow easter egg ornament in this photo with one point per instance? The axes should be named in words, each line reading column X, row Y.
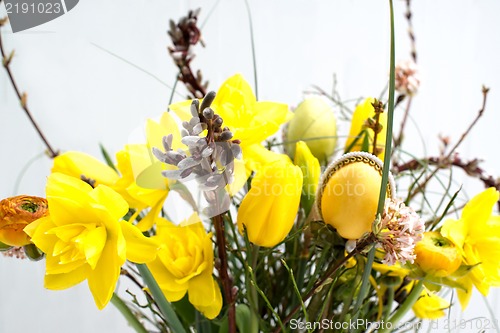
column 348, row 195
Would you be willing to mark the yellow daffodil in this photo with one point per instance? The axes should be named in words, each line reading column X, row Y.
column 78, row 165
column 250, row 121
column 15, row 214
column 133, row 163
column 85, row 238
column 359, row 132
column 437, row 255
column 136, row 164
column 477, row 235
column 311, row 171
column 185, row 263
column 268, row 210
column 430, row 306
column 313, row 122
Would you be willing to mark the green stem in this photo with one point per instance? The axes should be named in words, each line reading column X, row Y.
column 127, row 313
column 165, row 307
column 390, row 301
column 254, row 58
column 390, row 120
column 363, row 290
column 393, row 321
column 253, row 295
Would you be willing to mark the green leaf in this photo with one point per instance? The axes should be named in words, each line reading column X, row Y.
column 128, row 314
column 33, row 253
column 185, row 310
column 108, row 159
column 4, row 247
column 164, row 305
column 365, row 146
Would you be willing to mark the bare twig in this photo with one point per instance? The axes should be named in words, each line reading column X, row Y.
column 223, row 271
column 185, row 34
column 6, row 60
column 411, row 34
column 399, row 139
column 421, row 186
column 470, row 167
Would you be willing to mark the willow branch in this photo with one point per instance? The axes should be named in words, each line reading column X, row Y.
column 223, row 271
column 448, row 157
column 6, row 60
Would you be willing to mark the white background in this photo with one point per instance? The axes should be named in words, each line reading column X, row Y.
column 82, row 96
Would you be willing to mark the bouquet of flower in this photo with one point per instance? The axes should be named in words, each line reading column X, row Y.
column 288, row 228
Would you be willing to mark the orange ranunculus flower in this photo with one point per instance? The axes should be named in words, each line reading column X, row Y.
column 15, row 214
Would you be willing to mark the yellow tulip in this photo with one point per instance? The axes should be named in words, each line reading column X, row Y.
column 85, row 238
column 313, row 122
column 477, row 235
column 348, row 195
column 269, row 209
column 311, row 171
column 430, row 306
column 361, row 114
column 185, row 263
column 437, row 255
column 15, row 214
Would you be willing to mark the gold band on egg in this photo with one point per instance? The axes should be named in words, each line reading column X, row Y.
column 351, row 158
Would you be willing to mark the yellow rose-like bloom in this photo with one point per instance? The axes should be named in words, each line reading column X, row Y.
column 430, row 306
column 268, row 210
column 83, row 238
column 185, row 263
column 15, row 214
column 78, row 164
column 477, row 234
column 437, row 255
column 361, row 114
column 311, row 171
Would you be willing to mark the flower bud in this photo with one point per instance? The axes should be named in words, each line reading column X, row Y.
column 314, row 123
column 437, row 255
column 269, row 209
column 15, row 214
column 311, row 171
column 349, row 192
column 360, row 133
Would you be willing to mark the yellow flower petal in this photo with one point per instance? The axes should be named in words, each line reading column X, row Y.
column 269, row 209
column 76, row 164
column 430, row 306
column 102, row 280
column 205, row 295
column 361, row 114
column 66, row 280
column 94, row 243
column 140, row 249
